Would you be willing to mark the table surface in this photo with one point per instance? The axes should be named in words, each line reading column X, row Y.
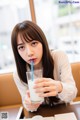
column 46, row 111
column 12, row 112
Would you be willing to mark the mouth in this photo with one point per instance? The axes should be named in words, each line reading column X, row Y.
column 34, row 60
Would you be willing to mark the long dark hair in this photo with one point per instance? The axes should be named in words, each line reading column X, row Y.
column 30, row 31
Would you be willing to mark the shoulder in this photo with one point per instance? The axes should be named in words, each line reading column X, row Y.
column 60, row 58
column 58, row 54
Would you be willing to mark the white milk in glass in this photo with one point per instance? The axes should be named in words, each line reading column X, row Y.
column 33, row 95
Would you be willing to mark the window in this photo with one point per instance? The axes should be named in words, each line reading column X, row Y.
column 59, row 21
column 11, row 12
column 61, row 24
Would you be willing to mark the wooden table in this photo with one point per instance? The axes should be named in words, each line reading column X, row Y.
column 46, row 111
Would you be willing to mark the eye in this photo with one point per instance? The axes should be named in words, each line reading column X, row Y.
column 34, row 43
column 21, row 48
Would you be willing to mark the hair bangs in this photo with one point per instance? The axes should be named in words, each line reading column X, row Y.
column 30, row 35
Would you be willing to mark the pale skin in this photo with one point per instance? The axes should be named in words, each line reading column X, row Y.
column 48, row 87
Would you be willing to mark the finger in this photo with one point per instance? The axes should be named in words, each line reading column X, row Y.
column 27, row 101
column 35, row 104
column 28, row 93
column 46, row 89
column 48, row 94
column 42, row 84
column 31, row 107
column 27, row 98
column 32, row 104
column 41, row 80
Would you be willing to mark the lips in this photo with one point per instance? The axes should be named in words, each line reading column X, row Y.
column 33, row 59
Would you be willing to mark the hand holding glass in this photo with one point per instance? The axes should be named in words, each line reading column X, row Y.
column 31, row 77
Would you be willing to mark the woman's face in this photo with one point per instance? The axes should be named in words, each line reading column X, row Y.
column 30, row 51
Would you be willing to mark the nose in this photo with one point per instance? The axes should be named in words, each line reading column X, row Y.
column 29, row 51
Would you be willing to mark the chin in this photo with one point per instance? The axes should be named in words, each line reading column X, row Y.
column 36, row 64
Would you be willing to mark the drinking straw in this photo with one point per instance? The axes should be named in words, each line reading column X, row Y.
column 32, row 64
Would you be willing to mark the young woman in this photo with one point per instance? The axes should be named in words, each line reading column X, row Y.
column 57, row 84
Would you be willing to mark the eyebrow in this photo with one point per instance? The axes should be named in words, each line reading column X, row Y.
column 20, row 44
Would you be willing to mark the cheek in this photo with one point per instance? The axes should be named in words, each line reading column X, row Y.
column 20, row 53
column 23, row 56
column 40, row 51
column 41, row 48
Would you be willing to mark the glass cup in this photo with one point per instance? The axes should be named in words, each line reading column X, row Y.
column 31, row 77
